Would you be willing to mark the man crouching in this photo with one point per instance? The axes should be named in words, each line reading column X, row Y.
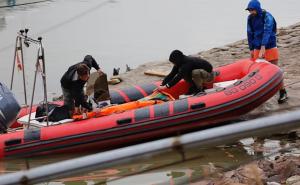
column 72, row 84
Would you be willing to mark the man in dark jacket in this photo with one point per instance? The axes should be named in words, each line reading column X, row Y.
column 261, row 32
column 73, row 81
column 193, row 70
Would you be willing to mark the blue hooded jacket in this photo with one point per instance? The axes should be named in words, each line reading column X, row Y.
column 261, row 28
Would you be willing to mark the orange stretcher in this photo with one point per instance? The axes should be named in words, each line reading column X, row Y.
column 116, row 109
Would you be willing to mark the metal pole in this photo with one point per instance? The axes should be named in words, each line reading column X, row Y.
column 210, row 137
column 37, row 64
column 23, row 70
column 22, row 35
column 42, row 57
column 33, row 89
column 14, row 64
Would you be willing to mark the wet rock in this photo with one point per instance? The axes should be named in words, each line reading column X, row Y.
column 225, row 48
column 284, row 38
column 271, row 171
column 295, row 34
column 281, row 169
column 293, row 180
column 275, row 178
column 273, row 183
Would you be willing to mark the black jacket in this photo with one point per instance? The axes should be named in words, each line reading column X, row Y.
column 75, row 86
column 184, row 68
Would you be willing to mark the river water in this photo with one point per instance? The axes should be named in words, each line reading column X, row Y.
column 120, row 32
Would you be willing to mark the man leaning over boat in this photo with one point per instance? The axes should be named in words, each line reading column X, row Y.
column 72, row 84
column 193, row 70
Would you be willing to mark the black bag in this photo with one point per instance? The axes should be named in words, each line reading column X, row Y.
column 55, row 112
column 59, row 113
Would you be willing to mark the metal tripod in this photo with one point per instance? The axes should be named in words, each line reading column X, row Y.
column 39, row 67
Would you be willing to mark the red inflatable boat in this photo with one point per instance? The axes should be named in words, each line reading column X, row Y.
column 245, row 85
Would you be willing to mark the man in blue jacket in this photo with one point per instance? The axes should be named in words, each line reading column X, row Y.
column 261, row 32
column 72, row 84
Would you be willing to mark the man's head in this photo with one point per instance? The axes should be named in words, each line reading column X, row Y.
column 254, row 7
column 83, row 72
column 176, row 57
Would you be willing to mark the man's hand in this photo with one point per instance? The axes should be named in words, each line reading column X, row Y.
column 161, row 87
column 100, row 72
column 84, row 110
column 77, row 110
column 262, row 52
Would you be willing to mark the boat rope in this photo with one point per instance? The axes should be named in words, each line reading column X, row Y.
column 24, row 4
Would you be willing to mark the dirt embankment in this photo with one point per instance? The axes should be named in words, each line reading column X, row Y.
column 289, row 47
column 283, row 170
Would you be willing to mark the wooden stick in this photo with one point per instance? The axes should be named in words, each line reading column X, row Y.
column 156, row 73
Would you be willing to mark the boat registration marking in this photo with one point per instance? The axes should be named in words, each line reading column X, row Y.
column 244, row 85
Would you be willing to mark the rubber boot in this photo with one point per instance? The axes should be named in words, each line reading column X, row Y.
column 282, row 96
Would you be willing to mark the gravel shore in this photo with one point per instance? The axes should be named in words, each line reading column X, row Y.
column 285, row 168
column 289, row 47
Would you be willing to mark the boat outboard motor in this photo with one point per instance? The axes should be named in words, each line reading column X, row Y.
column 9, row 108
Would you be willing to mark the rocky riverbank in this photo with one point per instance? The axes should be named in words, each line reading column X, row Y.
column 289, row 47
column 285, row 169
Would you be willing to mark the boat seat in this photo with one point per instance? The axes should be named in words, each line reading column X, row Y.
column 216, row 86
column 224, row 84
column 24, row 121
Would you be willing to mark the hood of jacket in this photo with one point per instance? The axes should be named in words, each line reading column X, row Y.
column 89, row 58
column 176, row 57
column 255, row 4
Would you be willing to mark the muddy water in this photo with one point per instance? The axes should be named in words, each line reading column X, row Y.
column 164, row 168
column 120, row 32
column 169, row 168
